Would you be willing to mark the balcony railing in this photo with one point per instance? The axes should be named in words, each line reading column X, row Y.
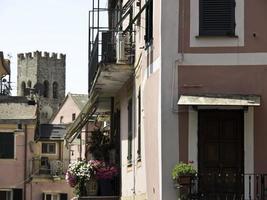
column 225, row 186
column 109, row 47
column 48, row 167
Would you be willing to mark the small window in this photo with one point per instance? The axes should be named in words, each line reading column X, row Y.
column 29, row 84
column 46, row 89
column 48, row 196
column 61, row 119
column 73, row 116
column 217, row 18
column 55, row 90
column 23, row 89
column 49, row 148
column 6, row 145
column 149, row 23
column 6, row 194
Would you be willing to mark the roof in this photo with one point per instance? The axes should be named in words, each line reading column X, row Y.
column 17, row 108
column 79, row 99
column 51, row 131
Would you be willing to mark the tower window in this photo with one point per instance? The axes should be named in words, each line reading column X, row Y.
column 29, row 84
column 55, row 90
column 46, row 88
column 23, row 88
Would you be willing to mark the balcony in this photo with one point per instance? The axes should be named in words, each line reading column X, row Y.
column 110, row 63
column 226, row 187
column 48, row 168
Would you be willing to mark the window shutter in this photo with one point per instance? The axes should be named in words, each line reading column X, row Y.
column 17, row 194
column 63, row 196
column 43, row 196
column 217, row 17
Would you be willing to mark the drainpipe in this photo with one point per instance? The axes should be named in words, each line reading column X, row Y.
column 25, row 159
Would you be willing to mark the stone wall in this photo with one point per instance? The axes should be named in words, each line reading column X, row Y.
column 36, row 68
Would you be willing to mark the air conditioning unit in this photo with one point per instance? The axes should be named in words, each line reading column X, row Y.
column 121, row 42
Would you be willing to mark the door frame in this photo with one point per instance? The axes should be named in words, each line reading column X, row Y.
column 248, row 139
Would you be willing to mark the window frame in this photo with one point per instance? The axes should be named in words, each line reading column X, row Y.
column 48, row 148
column 52, row 196
column 8, row 190
column 14, row 145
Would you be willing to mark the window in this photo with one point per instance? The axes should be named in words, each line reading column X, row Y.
column 23, row 88
column 55, row 90
column 149, row 23
column 139, row 126
column 217, row 18
column 61, row 119
column 6, row 145
column 48, row 148
column 130, row 131
column 6, row 194
column 29, row 84
column 46, row 88
column 73, row 116
column 55, row 196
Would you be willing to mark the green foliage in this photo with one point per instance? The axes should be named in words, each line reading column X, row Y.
column 100, row 144
column 182, row 169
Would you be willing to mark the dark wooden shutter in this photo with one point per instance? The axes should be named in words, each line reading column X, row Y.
column 7, row 145
column 217, row 17
column 63, row 196
column 130, row 133
column 43, row 196
column 17, row 194
column 149, row 23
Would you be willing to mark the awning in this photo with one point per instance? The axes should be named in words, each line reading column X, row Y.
column 219, row 100
column 88, row 110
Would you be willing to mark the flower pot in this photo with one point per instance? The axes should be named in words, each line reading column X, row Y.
column 91, row 187
column 184, row 180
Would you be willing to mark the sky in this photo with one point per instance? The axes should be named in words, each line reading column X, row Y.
column 59, row 26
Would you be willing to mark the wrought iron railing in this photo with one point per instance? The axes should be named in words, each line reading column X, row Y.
column 46, row 166
column 225, row 186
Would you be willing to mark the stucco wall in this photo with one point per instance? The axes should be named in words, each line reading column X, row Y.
column 36, row 189
column 12, row 170
column 229, row 80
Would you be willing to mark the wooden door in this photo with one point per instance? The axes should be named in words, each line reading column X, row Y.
column 220, row 154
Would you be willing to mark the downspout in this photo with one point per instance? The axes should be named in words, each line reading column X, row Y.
column 25, row 159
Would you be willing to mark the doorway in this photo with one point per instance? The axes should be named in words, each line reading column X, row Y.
column 221, row 154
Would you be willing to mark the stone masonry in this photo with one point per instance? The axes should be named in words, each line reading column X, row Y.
column 44, row 75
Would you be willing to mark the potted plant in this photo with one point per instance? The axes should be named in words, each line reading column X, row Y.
column 105, row 174
column 183, row 173
column 78, row 173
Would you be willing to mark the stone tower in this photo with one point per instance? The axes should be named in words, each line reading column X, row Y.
column 43, row 75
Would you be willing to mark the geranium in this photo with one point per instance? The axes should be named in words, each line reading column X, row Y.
column 107, row 172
